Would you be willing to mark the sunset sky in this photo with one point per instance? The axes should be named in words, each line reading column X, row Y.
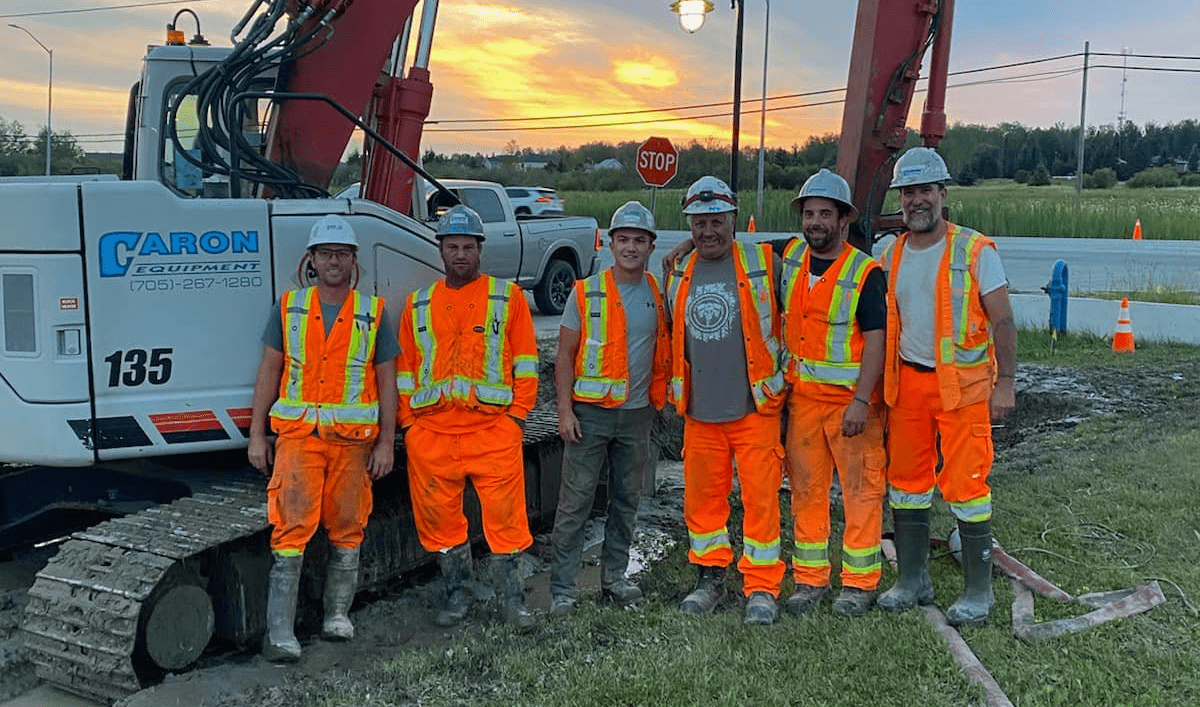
column 543, row 58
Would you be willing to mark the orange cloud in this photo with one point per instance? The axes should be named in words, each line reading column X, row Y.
column 651, row 73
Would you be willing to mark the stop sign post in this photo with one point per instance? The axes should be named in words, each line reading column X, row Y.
column 657, row 161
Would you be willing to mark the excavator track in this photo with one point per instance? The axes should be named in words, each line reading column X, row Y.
column 126, row 601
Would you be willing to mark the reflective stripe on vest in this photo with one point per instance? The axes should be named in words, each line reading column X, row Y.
column 862, row 561
column 354, row 406
column 704, row 543
column 975, row 511
column 590, row 385
column 810, row 554
column 839, row 365
column 492, row 388
column 952, row 350
column 911, row 501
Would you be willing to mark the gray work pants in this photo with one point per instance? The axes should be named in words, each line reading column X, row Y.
column 624, row 437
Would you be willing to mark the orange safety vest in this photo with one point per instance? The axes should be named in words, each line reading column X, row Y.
column 477, row 380
column 820, row 326
column 760, row 326
column 962, row 336
column 330, row 380
column 602, row 363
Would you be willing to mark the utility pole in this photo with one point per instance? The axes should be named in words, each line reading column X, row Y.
column 1082, row 130
column 762, row 122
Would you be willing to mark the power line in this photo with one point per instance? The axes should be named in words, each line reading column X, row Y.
column 75, row 11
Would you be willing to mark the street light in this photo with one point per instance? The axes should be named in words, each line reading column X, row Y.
column 691, row 19
column 49, row 90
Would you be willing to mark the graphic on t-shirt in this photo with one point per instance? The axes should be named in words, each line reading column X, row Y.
column 710, row 311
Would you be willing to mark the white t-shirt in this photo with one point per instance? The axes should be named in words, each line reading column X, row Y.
column 915, row 295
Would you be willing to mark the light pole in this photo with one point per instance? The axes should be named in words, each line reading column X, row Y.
column 762, row 123
column 691, row 18
column 49, row 90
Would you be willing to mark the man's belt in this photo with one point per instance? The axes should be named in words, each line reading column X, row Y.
column 919, row 367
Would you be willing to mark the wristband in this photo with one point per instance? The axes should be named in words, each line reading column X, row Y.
column 1005, row 375
column 864, row 402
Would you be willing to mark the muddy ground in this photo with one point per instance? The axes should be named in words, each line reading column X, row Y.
column 1049, row 401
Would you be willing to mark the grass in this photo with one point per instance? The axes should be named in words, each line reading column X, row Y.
column 1171, row 294
column 1105, row 504
column 995, row 207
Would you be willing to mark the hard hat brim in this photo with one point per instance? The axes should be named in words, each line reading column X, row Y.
column 798, row 205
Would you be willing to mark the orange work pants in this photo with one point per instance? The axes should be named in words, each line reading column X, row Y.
column 315, row 481
column 815, row 445
column 439, row 464
column 709, row 451
column 917, row 425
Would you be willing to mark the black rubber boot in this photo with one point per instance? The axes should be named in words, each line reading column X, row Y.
column 283, row 586
column 455, row 564
column 709, row 591
column 511, row 589
column 972, row 608
column 913, row 585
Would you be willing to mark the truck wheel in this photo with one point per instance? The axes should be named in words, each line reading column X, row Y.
column 551, row 293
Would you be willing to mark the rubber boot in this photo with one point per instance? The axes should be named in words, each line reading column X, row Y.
column 283, row 585
column 709, row 591
column 511, row 589
column 341, row 579
column 913, row 585
column 971, row 609
column 455, row 564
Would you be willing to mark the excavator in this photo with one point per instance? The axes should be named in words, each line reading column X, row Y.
column 133, row 308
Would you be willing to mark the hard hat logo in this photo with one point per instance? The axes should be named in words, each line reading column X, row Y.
column 920, row 165
column 332, row 229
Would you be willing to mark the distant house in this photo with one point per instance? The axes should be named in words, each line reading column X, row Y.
column 610, row 163
column 534, row 162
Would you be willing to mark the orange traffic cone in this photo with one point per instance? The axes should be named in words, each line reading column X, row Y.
column 1137, row 230
column 1123, row 336
column 750, row 226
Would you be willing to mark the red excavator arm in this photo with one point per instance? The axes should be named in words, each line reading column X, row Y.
column 346, row 65
column 890, row 40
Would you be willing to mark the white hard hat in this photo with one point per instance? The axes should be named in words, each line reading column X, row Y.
column 460, row 221
column 332, row 229
column 709, row 195
column 920, row 165
column 633, row 215
column 828, row 185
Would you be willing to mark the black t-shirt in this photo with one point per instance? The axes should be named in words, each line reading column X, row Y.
column 872, row 303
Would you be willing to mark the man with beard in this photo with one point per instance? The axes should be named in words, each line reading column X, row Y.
column 834, row 313
column 467, row 378
column 949, row 364
column 727, row 381
column 334, row 409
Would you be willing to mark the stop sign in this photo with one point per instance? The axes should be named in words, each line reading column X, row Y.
column 657, row 161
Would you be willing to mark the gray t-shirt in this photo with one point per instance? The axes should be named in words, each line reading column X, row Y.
column 641, row 328
column 719, row 386
column 915, row 295
column 387, row 346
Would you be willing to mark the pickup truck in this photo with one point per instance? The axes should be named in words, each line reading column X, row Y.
column 541, row 253
column 545, row 254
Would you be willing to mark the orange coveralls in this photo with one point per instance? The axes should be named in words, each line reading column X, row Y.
column 467, row 367
column 329, row 386
column 711, row 448
column 825, row 347
column 946, row 408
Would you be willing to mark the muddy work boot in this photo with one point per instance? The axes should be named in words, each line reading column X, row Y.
column 709, row 591
column 563, row 606
column 455, row 564
column 913, row 585
column 341, row 579
column 806, row 598
column 852, row 601
column 283, row 586
column 761, row 609
column 621, row 592
column 510, row 588
column 972, row 608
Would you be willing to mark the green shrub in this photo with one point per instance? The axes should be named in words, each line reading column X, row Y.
column 1040, row 176
column 1155, row 177
column 1103, row 178
column 1021, row 176
column 1191, row 180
